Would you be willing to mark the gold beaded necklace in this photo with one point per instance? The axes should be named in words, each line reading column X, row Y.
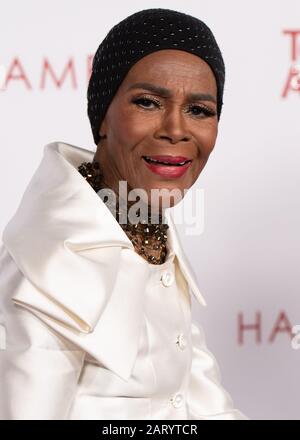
column 149, row 239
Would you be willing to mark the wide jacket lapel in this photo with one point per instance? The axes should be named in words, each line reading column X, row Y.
column 82, row 276
column 184, row 264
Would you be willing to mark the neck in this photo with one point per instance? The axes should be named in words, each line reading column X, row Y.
column 149, row 238
column 129, row 211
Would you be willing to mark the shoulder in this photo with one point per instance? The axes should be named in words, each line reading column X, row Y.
column 19, row 325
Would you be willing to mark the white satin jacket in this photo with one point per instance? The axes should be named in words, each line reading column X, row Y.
column 88, row 328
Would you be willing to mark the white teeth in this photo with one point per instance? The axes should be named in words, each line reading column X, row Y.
column 149, row 159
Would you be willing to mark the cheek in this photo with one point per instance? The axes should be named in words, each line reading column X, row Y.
column 126, row 131
column 129, row 125
column 206, row 140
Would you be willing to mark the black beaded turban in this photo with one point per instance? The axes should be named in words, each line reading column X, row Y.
column 138, row 35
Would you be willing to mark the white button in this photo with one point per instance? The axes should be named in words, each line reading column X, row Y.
column 181, row 341
column 167, row 278
column 177, row 400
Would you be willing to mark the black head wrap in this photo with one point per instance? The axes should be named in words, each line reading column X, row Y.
column 138, row 35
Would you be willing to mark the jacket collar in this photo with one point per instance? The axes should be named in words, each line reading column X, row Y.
column 76, row 260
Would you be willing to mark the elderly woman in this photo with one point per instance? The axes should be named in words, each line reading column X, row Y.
column 95, row 312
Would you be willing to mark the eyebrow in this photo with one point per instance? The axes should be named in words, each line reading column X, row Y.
column 162, row 91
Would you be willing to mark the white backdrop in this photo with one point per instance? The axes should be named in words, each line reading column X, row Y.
column 247, row 258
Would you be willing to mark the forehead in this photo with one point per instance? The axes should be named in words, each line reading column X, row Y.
column 170, row 66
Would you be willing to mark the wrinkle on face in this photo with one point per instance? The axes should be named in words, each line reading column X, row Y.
column 133, row 131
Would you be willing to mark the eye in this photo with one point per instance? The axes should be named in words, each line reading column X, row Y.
column 201, row 110
column 146, row 102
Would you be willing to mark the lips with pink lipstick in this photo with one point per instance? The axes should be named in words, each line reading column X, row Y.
column 167, row 166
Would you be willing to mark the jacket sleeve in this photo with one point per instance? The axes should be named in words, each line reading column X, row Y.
column 206, row 397
column 39, row 370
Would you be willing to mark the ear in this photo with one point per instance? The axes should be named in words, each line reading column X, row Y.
column 102, row 128
column 102, row 133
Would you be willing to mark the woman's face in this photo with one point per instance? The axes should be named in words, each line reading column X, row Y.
column 154, row 113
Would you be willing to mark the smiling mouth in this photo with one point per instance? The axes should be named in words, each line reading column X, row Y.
column 159, row 162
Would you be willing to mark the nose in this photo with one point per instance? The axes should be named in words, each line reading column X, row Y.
column 173, row 127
